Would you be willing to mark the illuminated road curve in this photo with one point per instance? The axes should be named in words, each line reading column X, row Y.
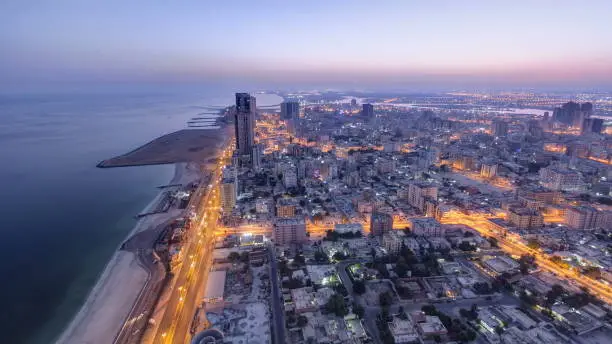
column 193, row 273
column 513, row 246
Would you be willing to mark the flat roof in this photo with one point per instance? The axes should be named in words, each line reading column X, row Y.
column 215, row 284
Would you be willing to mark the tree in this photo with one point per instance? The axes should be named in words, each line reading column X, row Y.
column 341, row 289
column 331, row 235
column 359, row 287
column 320, row 257
column 553, row 294
column 482, row 288
column 302, row 321
column 234, row 257
column 592, row 272
column 493, row 242
column 358, row 310
column 385, row 299
column 466, row 246
column 526, row 262
column 408, row 255
column 244, row 257
column 529, row 300
column 533, row 244
column 299, row 260
column 404, row 292
column 336, row 305
column 401, row 269
column 293, row 283
column 339, row 256
column 429, row 310
column 559, row 261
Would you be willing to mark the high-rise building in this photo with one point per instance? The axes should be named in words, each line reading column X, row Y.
column 367, row 110
column 256, row 153
column 244, row 123
column 290, row 231
column 290, row 110
column 380, row 223
column 592, row 125
column 499, row 128
column 488, row 170
column 573, row 114
column 419, row 192
column 586, row 217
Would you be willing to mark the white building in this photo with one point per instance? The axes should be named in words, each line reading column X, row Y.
column 558, row 179
column 229, row 193
column 290, row 178
column 426, row 226
column 417, row 192
column 403, row 330
column 392, row 242
column 488, row 170
column 586, row 217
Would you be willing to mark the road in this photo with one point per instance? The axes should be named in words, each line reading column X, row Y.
column 136, row 322
column 511, row 244
column 277, row 309
column 197, row 259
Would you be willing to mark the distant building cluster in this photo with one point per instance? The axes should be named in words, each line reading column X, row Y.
column 421, row 200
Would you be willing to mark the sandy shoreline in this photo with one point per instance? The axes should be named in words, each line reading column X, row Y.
column 111, row 298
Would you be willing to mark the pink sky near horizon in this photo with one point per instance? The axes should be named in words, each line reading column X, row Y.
column 271, row 41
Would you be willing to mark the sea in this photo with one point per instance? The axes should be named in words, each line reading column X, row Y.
column 61, row 218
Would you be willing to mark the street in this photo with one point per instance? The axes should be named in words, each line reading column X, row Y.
column 277, row 309
column 193, row 273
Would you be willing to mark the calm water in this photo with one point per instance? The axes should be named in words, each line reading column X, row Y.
column 60, row 217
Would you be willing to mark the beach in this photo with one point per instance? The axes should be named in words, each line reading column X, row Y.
column 122, row 280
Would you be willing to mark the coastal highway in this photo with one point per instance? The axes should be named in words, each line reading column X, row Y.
column 193, row 273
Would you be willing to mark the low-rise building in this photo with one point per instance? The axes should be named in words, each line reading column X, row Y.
column 403, row 330
column 426, row 226
column 500, row 265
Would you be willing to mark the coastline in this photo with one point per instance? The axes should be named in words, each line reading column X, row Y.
column 122, row 267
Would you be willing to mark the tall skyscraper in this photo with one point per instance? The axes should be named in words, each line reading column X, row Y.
column 290, row 110
column 573, row 114
column 592, row 125
column 245, row 123
column 367, row 110
column 499, row 128
column 256, row 153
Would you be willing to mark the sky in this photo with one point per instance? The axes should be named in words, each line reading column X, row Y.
column 334, row 43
